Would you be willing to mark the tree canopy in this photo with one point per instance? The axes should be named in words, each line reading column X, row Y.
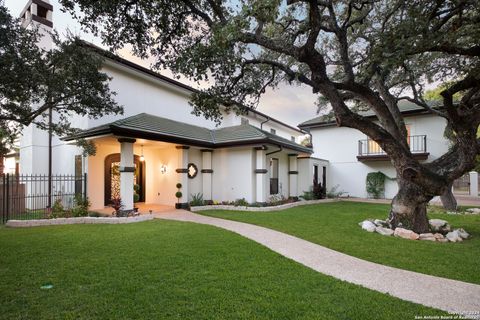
column 66, row 79
column 352, row 53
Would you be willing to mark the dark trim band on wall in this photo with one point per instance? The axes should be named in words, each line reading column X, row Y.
column 126, row 169
column 261, row 171
column 293, row 154
column 181, row 170
column 261, row 148
column 292, row 172
column 42, row 20
column 206, row 171
column 44, row 4
column 129, row 140
column 206, row 150
column 182, row 147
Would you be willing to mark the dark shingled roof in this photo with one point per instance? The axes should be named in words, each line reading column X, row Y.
column 406, row 108
column 152, row 127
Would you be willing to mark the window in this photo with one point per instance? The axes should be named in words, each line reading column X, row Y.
column 244, row 121
column 315, row 174
column 273, row 176
column 292, row 138
column 78, row 174
column 273, row 131
column 42, row 12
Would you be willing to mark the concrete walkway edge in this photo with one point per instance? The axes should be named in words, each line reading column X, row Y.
column 440, row 293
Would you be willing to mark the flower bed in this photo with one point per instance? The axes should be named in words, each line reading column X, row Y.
column 78, row 220
column 261, row 209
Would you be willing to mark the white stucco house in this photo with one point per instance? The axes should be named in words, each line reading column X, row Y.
column 158, row 143
column 352, row 155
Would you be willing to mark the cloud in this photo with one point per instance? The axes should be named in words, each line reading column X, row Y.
column 291, row 104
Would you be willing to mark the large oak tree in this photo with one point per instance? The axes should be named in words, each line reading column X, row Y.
column 355, row 54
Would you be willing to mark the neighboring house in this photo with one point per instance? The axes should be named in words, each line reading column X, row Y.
column 158, row 143
column 352, row 155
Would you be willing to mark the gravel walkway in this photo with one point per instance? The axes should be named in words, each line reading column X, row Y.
column 440, row 293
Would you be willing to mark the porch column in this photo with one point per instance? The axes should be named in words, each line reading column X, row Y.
column 474, row 184
column 207, row 174
column 127, row 169
column 182, row 171
column 260, row 174
column 293, row 175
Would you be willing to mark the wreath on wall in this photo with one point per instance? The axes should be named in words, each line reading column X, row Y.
column 375, row 184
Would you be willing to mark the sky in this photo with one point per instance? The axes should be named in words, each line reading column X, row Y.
column 290, row 104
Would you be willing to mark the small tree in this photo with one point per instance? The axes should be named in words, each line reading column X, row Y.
column 33, row 81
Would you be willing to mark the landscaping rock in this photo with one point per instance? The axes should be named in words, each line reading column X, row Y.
column 427, row 237
column 380, row 223
column 405, row 234
column 368, row 226
column 462, row 233
column 474, row 210
column 454, row 236
column 439, row 236
column 384, row 231
column 439, row 225
column 442, row 240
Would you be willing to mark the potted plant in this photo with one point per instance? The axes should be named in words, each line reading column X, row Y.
column 178, row 195
column 136, row 196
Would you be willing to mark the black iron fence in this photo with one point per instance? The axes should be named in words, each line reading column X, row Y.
column 29, row 196
column 418, row 144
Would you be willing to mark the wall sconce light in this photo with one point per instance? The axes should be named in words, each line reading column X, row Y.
column 142, row 158
column 163, row 169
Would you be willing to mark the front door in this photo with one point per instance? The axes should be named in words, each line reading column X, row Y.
column 112, row 178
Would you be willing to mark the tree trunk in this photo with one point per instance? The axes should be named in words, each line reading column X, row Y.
column 448, row 199
column 409, row 208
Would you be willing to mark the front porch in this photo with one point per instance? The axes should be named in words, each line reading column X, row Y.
column 154, row 160
column 143, row 208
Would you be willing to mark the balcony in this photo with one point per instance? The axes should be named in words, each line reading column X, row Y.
column 369, row 150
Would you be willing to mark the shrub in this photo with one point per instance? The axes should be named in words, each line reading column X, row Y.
column 179, row 185
column 307, row 195
column 94, row 214
column 178, row 195
column 57, row 209
column 197, row 200
column 117, row 205
column 375, row 184
column 240, row 203
column 335, row 193
column 80, row 207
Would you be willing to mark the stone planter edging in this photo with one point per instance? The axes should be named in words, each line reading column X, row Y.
column 78, row 220
column 260, row 209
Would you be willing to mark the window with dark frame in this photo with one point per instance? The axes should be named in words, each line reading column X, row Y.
column 273, row 131
column 78, row 174
column 273, row 176
column 42, row 12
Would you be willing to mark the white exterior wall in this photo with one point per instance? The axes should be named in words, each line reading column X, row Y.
column 349, row 173
column 305, row 173
column 233, row 174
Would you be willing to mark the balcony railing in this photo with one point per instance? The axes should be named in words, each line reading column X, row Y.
column 369, row 148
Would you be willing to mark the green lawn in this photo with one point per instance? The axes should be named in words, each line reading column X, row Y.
column 161, row 269
column 335, row 225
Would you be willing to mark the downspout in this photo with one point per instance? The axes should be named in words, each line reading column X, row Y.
column 281, row 148
column 261, row 123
